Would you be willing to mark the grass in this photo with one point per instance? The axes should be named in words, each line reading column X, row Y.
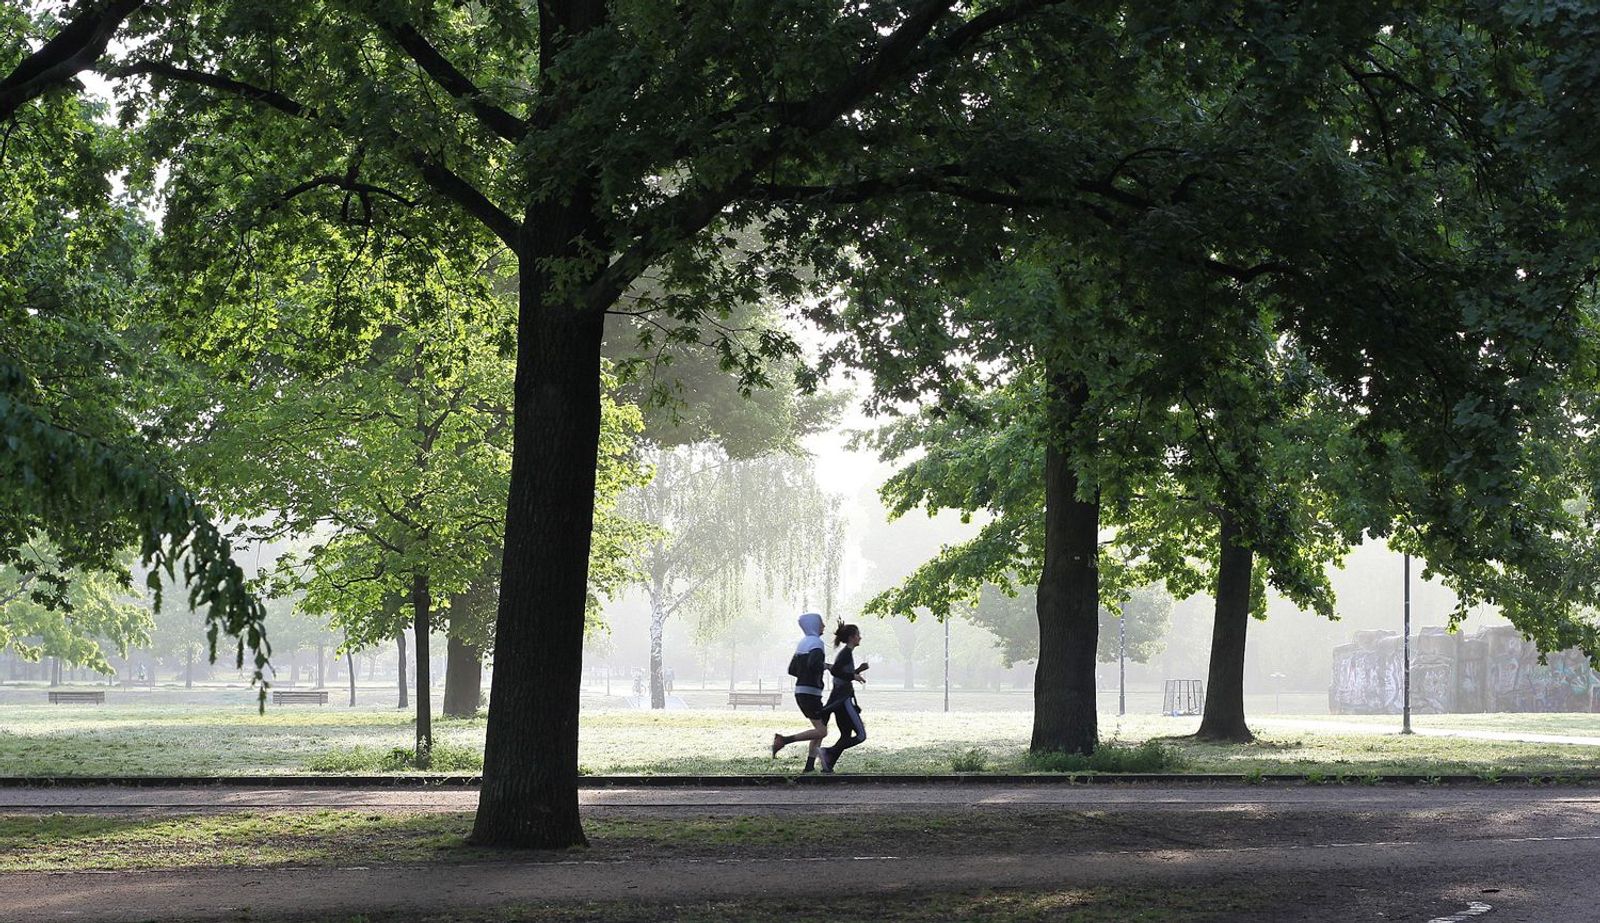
column 258, row 839
column 1096, row 905
column 38, row 740
column 1572, row 724
column 1150, row 756
column 266, row 838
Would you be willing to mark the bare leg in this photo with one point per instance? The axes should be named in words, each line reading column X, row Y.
column 819, row 730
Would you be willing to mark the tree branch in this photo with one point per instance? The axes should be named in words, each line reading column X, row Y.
column 688, row 213
column 346, row 183
column 74, row 49
column 445, row 74
column 435, row 174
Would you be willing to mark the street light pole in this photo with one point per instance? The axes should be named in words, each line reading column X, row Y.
column 1122, row 664
column 947, row 664
column 1405, row 721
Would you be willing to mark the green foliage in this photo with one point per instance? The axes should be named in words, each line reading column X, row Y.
column 84, row 466
column 70, row 620
column 973, row 759
column 391, row 464
column 1150, row 756
column 443, row 757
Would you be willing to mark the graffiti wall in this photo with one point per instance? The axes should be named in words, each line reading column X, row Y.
column 1493, row 670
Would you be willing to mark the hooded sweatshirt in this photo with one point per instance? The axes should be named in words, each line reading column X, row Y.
column 810, row 657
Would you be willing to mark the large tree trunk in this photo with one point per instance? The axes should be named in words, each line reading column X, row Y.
column 405, row 693
column 422, row 614
column 463, row 677
column 463, row 672
column 1069, row 600
column 906, row 635
column 658, row 626
column 1224, row 714
column 529, row 795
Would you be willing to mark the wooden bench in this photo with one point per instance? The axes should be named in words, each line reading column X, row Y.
column 300, row 697
column 77, row 698
column 769, row 699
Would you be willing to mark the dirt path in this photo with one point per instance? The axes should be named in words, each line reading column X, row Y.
column 1532, row 878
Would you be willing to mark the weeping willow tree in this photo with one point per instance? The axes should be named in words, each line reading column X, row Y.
column 726, row 531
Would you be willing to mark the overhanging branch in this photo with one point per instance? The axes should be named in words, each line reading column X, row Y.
column 435, row 174
column 74, row 49
column 447, row 76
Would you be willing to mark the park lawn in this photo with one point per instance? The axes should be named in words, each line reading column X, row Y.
column 223, row 740
column 342, row 837
column 1572, row 724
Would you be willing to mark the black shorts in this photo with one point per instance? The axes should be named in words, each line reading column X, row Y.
column 810, row 705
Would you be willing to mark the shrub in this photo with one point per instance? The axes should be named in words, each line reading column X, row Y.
column 1150, row 756
column 974, row 760
column 446, row 758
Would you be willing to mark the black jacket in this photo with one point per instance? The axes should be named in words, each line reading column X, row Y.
column 807, row 671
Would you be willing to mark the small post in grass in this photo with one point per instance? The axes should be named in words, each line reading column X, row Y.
column 1405, row 708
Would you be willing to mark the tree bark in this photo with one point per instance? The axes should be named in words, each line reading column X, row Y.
column 421, row 612
column 658, row 625
column 405, row 693
column 1224, row 711
column 529, row 794
column 463, row 677
column 1064, row 716
column 350, row 667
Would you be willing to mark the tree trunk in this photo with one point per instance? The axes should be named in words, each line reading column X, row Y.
column 1224, row 711
column 322, row 657
column 400, row 644
column 463, row 675
column 350, row 667
column 1068, row 602
column 55, row 671
column 529, row 794
column 188, row 669
column 421, row 611
column 658, row 624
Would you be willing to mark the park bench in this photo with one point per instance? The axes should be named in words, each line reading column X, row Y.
column 300, row 697
column 769, row 699
column 77, row 698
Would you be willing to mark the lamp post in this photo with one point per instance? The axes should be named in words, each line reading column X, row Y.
column 1122, row 664
column 1405, row 720
column 947, row 664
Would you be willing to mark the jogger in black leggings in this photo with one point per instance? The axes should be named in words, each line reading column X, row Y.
column 842, row 699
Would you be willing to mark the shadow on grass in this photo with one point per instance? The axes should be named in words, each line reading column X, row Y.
column 254, row 840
